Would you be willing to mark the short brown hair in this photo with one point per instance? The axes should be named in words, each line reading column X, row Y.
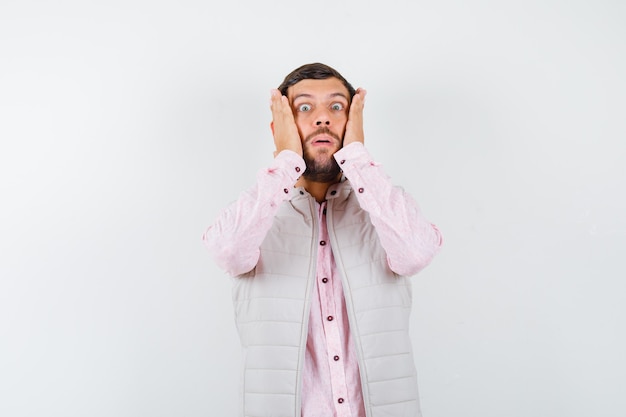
column 315, row 71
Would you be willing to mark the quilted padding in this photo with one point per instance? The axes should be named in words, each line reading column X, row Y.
column 272, row 307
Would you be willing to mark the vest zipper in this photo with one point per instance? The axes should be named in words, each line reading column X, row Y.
column 308, row 298
column 347, row 294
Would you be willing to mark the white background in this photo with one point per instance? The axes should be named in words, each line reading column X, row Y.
column 126, row 126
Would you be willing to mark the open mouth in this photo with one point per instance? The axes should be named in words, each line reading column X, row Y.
column 322, row 140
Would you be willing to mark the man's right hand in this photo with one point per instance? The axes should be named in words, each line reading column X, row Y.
column 284, row 127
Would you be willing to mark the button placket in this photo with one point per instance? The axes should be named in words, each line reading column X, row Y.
column 327, row 289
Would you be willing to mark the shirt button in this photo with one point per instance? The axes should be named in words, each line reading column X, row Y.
column 343, row 161
column 333, row 192
column 297, row 169
column 286, row 191
column 340, row 400
column 361, row 189
column 301, row 192
column 324, row 280
column 336, row 358
column 323, row 242
column 329, row 318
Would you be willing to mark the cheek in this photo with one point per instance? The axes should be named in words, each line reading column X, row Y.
column 341, row 122
column 301, row 118
column 301, row 124
column 341, row 118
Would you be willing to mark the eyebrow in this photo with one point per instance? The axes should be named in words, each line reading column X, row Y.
column 338, row 94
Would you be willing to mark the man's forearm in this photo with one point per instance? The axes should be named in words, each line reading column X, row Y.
column 234, row 239
column 409, row 240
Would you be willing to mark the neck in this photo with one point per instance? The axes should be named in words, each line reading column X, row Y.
column 317, row 189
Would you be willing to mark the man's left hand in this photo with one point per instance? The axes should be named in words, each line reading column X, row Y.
column 354, row 127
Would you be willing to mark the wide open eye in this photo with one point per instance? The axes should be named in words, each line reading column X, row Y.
column 337, row 106
column 304, row 107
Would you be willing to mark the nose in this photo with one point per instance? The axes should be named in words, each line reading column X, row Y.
column 322, row 118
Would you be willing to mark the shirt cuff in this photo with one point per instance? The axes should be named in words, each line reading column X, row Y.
column 354, row 154
column 290, row 163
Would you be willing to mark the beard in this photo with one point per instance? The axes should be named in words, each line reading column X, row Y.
column 321, row 167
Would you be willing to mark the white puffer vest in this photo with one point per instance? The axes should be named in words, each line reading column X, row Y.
column 272, row 309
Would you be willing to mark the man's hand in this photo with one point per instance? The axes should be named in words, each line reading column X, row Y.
column 354, row 127
column 284, row 127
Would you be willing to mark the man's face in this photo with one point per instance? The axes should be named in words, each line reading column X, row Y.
column 320, row 108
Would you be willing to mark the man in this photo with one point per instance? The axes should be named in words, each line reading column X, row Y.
column 321, row 248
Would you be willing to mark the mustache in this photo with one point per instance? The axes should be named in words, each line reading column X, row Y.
column 322, row 131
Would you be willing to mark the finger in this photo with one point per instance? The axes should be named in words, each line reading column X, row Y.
column 284, row 130
column 358, row 102
column 360, row 95
column 281, row 111
column 361, row 92
column 278, row 102
column 274, row 99
column 354, row 127
column 285, row 109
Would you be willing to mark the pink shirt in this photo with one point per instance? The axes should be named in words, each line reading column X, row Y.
column 331, row 384
column 331, row 381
